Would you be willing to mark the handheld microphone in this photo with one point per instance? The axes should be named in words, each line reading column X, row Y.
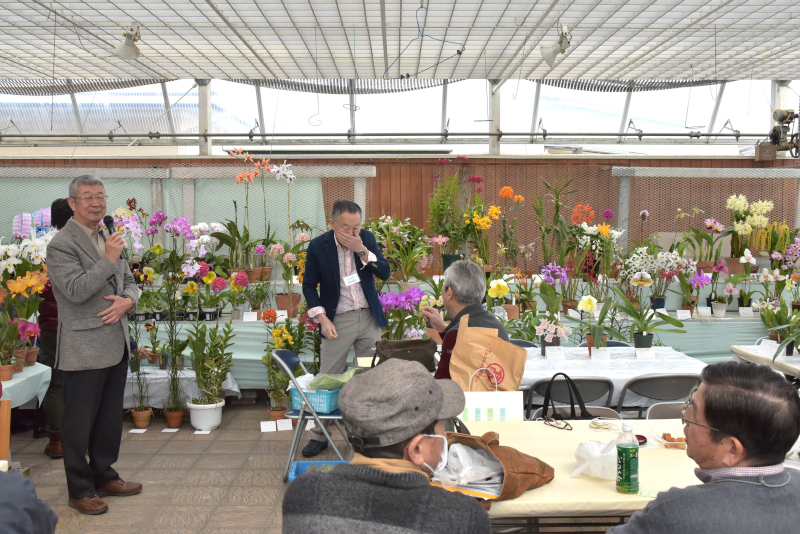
column 108, row 220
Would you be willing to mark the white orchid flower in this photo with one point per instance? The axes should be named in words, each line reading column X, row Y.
column 747, row 257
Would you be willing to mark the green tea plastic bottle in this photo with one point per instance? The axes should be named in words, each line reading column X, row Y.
column 627, row 460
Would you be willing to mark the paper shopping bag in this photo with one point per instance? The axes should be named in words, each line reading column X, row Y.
column 500, row 364
column 493, row 406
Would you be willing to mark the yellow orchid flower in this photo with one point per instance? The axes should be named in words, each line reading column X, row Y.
column 190, row 289
column 587, row 304
column 18, row 286
column 36, row 282
column 157, row 249
column 147, row 274
column 604, row 229
column 210, row 277
column 498, row 289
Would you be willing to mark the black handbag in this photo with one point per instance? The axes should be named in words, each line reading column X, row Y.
column 573, row 390
column 415, row 350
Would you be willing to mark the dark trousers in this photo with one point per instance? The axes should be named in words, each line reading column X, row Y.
column 92, row 423
column 53, row 404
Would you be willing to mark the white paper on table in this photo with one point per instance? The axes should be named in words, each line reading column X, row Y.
column 268, row 426
column 683, row 315
column 769, row 347
column 575, row 314
column 282, row 315
column 662, row 310
column 249, row 317
column 137, row 431
column 645, row 354
column 170, row 429
column 202, row 432
column 555, row 353
column 601, row 353
column 284, row 424
column 703, row 310
column 746, row 311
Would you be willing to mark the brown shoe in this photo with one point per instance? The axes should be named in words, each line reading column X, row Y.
column 53, row 449
column 119, row 488
column 89, row 505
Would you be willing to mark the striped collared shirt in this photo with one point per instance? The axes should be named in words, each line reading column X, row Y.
column 353, row 297
column 710, row 475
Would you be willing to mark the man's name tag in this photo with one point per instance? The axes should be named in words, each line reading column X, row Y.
column 601, row 353
column 683, row 315
column 352, row 279
column 746, row 311
column 645, row 354
column 703, row 310
column 555, row 353
column 249, row 317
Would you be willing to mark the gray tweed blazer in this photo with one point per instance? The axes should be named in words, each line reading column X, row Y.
column 81, row 278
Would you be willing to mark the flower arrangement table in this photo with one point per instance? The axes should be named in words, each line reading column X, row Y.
column 788, row 365
column 157, row 380
column 622, row 367
column 31, row 383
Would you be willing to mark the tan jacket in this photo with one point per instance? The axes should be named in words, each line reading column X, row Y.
column 80, row 279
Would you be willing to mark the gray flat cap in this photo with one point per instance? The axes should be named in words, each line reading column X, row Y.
column 395, row 401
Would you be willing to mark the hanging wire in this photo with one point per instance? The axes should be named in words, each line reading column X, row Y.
column 688, row 101
column 420, row 35
column 316, row 64
column 353, row 106
column 713, row 96
column 519, row 77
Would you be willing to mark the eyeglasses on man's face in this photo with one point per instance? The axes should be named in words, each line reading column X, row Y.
column 88, row 199
column 690, row 402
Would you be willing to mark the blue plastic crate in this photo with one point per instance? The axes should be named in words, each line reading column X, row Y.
column 322, row 400
column 300, row 468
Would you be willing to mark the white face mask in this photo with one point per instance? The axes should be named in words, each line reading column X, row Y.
column 443, row 458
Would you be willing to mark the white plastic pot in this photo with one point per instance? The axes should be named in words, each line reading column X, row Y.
column 205, row 416
column 719, row 309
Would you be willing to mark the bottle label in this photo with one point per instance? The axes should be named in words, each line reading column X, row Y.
column 627, row 468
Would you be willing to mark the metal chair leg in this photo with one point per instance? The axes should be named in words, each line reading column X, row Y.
column 328, row 435
column 344, row 434
column 298, row 432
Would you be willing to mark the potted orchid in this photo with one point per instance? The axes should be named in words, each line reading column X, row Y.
column 706, row 245
column 289, row 257
column 596, row 333
column 550, row 330
column 445, row 218
column 773, row 283
column 747, row 218
column 645, row 321
column 402, row 312
column 498, row 299
column 718, row 268
column 720, row 304
column 211, row 361
column 508, row 227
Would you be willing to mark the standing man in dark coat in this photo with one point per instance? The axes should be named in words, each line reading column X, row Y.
column 94, row 289
column 343, row 263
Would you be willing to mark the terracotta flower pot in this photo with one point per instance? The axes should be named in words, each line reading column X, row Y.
column 31, row 355
column 276, row 415
column 282, row 302
column 266, row 273
column 6, row 372
column 512, row 311
column 569, row 304
column 174, row 419
column 253, row 275
column 705, row 266
column 736, row 267
column 690, row 308
column 525, row 307
column 590, row 342
column 141, row 419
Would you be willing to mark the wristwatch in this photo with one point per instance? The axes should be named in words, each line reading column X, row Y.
column 362, row 252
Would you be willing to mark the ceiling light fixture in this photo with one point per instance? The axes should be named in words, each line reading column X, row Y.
column 128, row 49
column 549, row 53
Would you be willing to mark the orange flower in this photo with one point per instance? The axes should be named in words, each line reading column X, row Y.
column 519, row 199
column 270, row 316
column 583, row 213
column 237, row 152
column 247, row 157
column 506, row 192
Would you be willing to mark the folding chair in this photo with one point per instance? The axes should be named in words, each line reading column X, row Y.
column 590, row 389
column 288, row 362
column 658, row 387
column 665, row 410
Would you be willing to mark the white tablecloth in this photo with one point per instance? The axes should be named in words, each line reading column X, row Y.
column 157, row 386
column 31, row 383
column 789, row 365
column 622, row 367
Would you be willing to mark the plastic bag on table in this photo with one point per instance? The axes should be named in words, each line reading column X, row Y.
column 303, row 381
column 329, row 382
column 465, row 465
column 597, row 459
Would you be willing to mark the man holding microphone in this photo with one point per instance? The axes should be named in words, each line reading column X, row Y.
column 94, row 289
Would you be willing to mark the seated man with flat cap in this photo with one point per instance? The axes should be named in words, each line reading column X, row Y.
column 395, row 414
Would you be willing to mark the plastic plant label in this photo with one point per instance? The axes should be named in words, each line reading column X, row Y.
column 555, row 353
column 268, row 426
column 601, row 353
column 683, row 315
column 745, row 311
column 662, row 310
column 249, row 317
column 703, row 310
column 282, row 315
column 202, row 432
column 645, row 354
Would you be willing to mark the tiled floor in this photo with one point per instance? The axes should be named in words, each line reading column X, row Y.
column 228, row 481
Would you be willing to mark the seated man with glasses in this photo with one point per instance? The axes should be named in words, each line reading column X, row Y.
column 739, row 424
column 395, row 414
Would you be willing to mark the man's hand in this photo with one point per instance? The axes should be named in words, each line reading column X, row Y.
column 143, row 353
column 350, row 242
column 328, row 330
column 114, row 246
column 119, row 306
column 434, row 317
